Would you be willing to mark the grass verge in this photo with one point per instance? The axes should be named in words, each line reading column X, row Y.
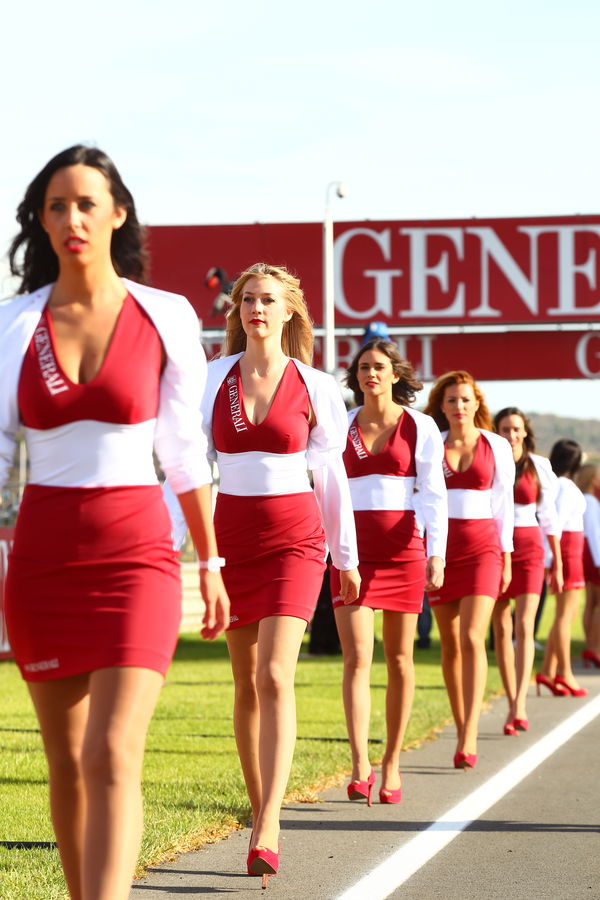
column 193, row 789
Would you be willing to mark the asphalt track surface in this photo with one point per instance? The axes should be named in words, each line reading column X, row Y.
column 524, row 824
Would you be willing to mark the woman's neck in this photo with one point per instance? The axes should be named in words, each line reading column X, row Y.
column 517, row 452
column 381, row 409
column 263, row 357
column 463, row 433
column 88, row 286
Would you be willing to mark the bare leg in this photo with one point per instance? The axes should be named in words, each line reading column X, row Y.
column 398, row 640
column 505, row 654
column 242, row 644
column 62, row 711
column 593, row 643
column 448, row 622
column 587, row 613
column 122, row 700
column 567, row 607
column 475, row 613
column 355, row 626
column 525, row 610
column 279, row 640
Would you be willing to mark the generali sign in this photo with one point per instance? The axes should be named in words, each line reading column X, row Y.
column 529, row 271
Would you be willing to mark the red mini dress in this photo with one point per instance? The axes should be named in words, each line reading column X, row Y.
column 473, row 556
column 93, row 580
column 528, row 555
column 571, row 506
column 391, row 549
column 267, row 520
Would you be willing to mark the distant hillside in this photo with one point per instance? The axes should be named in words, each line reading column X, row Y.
column 549, row 429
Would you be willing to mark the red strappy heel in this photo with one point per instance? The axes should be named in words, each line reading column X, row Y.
column 359, row 790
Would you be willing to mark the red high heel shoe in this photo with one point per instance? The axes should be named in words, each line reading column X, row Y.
column 262, row 861
column 590, row 659
column 465, row 760
column 358, row 790
column 547, row 682
column 391, row 795
column 574, row 692
column 510, row 729
column 521, row 724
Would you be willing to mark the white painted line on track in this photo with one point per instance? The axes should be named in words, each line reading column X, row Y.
column 398, row 868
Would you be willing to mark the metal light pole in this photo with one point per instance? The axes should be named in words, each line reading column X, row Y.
column 328, row 299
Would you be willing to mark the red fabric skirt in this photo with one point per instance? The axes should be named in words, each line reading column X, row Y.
column 473, row 561
column 527, row 563
column 590, row 571
column 571, row 548
column 274, row 547
column 93, row 581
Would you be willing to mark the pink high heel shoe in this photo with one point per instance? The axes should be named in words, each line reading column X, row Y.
column 391, row 795
column 465, row 760
column 521, row 724
column 574, row 692
column 358, row 790
column 590, row 659
column 262, row 861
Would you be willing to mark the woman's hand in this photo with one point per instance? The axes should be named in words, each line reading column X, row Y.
column 506, row 572
column 434, row 574
column 216, row 604
column 349, row 586
column 556, row 580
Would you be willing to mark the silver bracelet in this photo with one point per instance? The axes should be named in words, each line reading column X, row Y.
column 212, row 564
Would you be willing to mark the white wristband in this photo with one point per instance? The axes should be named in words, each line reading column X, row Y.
column 212, row 564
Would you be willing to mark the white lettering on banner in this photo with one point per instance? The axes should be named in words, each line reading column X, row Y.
column 48, row 366
column 420, row 272
column 493, row 248
column 568, row 270
column 343, row 360
column 383, row 277
column 581, row 354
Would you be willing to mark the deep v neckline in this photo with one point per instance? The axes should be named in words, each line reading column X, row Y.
column 387, row 441
column 462, row 471
column 273, row 398
column 107, row 353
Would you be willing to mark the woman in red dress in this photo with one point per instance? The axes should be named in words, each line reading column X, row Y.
column 480, row 473
column 98, row 371
column 588, row 482
column 393, row 458
column 535, row 514
column 270, row 416
column 557, row 671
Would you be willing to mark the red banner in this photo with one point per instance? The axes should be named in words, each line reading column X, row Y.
column 6, row 538
column 467, row 271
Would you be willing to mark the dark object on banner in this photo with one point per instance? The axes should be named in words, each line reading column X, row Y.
column 218, row 278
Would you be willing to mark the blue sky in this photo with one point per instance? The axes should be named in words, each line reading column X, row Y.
column 242, row 112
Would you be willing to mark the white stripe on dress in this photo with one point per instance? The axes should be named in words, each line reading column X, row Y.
column 525, row 515
column 255, row 473
column 464, row 503
column 393, row 492
column 88, row 453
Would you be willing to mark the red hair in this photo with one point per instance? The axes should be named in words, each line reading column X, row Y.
column 483, row 418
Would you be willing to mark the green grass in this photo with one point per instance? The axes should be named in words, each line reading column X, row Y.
column 193, row 787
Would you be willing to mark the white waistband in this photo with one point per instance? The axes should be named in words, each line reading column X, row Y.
column 382, row 492
column 92, row 454
column 525, row 515
column 255, row 474
column 469, row 504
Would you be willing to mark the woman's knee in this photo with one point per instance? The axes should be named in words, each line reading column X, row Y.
column 111, row 757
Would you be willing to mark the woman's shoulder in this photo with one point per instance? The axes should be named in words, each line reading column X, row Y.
column 498, row 443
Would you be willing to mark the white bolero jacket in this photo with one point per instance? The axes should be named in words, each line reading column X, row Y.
column 178, row 437
column 326, row 444
column 502, row 493
column 546, row 511
column 431, row 497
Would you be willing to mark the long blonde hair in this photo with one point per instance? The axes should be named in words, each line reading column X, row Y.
column 297, row 337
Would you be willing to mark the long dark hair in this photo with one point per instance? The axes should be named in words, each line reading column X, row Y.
column 31, row 256
column 525, row 464
column 565, row 458
column 403, row 391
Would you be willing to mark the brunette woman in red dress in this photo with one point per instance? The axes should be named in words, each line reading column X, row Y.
column 98, row 371
column 480, row 474
column 393, row 458
column 535, row 514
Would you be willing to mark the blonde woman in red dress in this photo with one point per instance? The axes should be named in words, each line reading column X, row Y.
column 535, row 514
column 480, row 473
